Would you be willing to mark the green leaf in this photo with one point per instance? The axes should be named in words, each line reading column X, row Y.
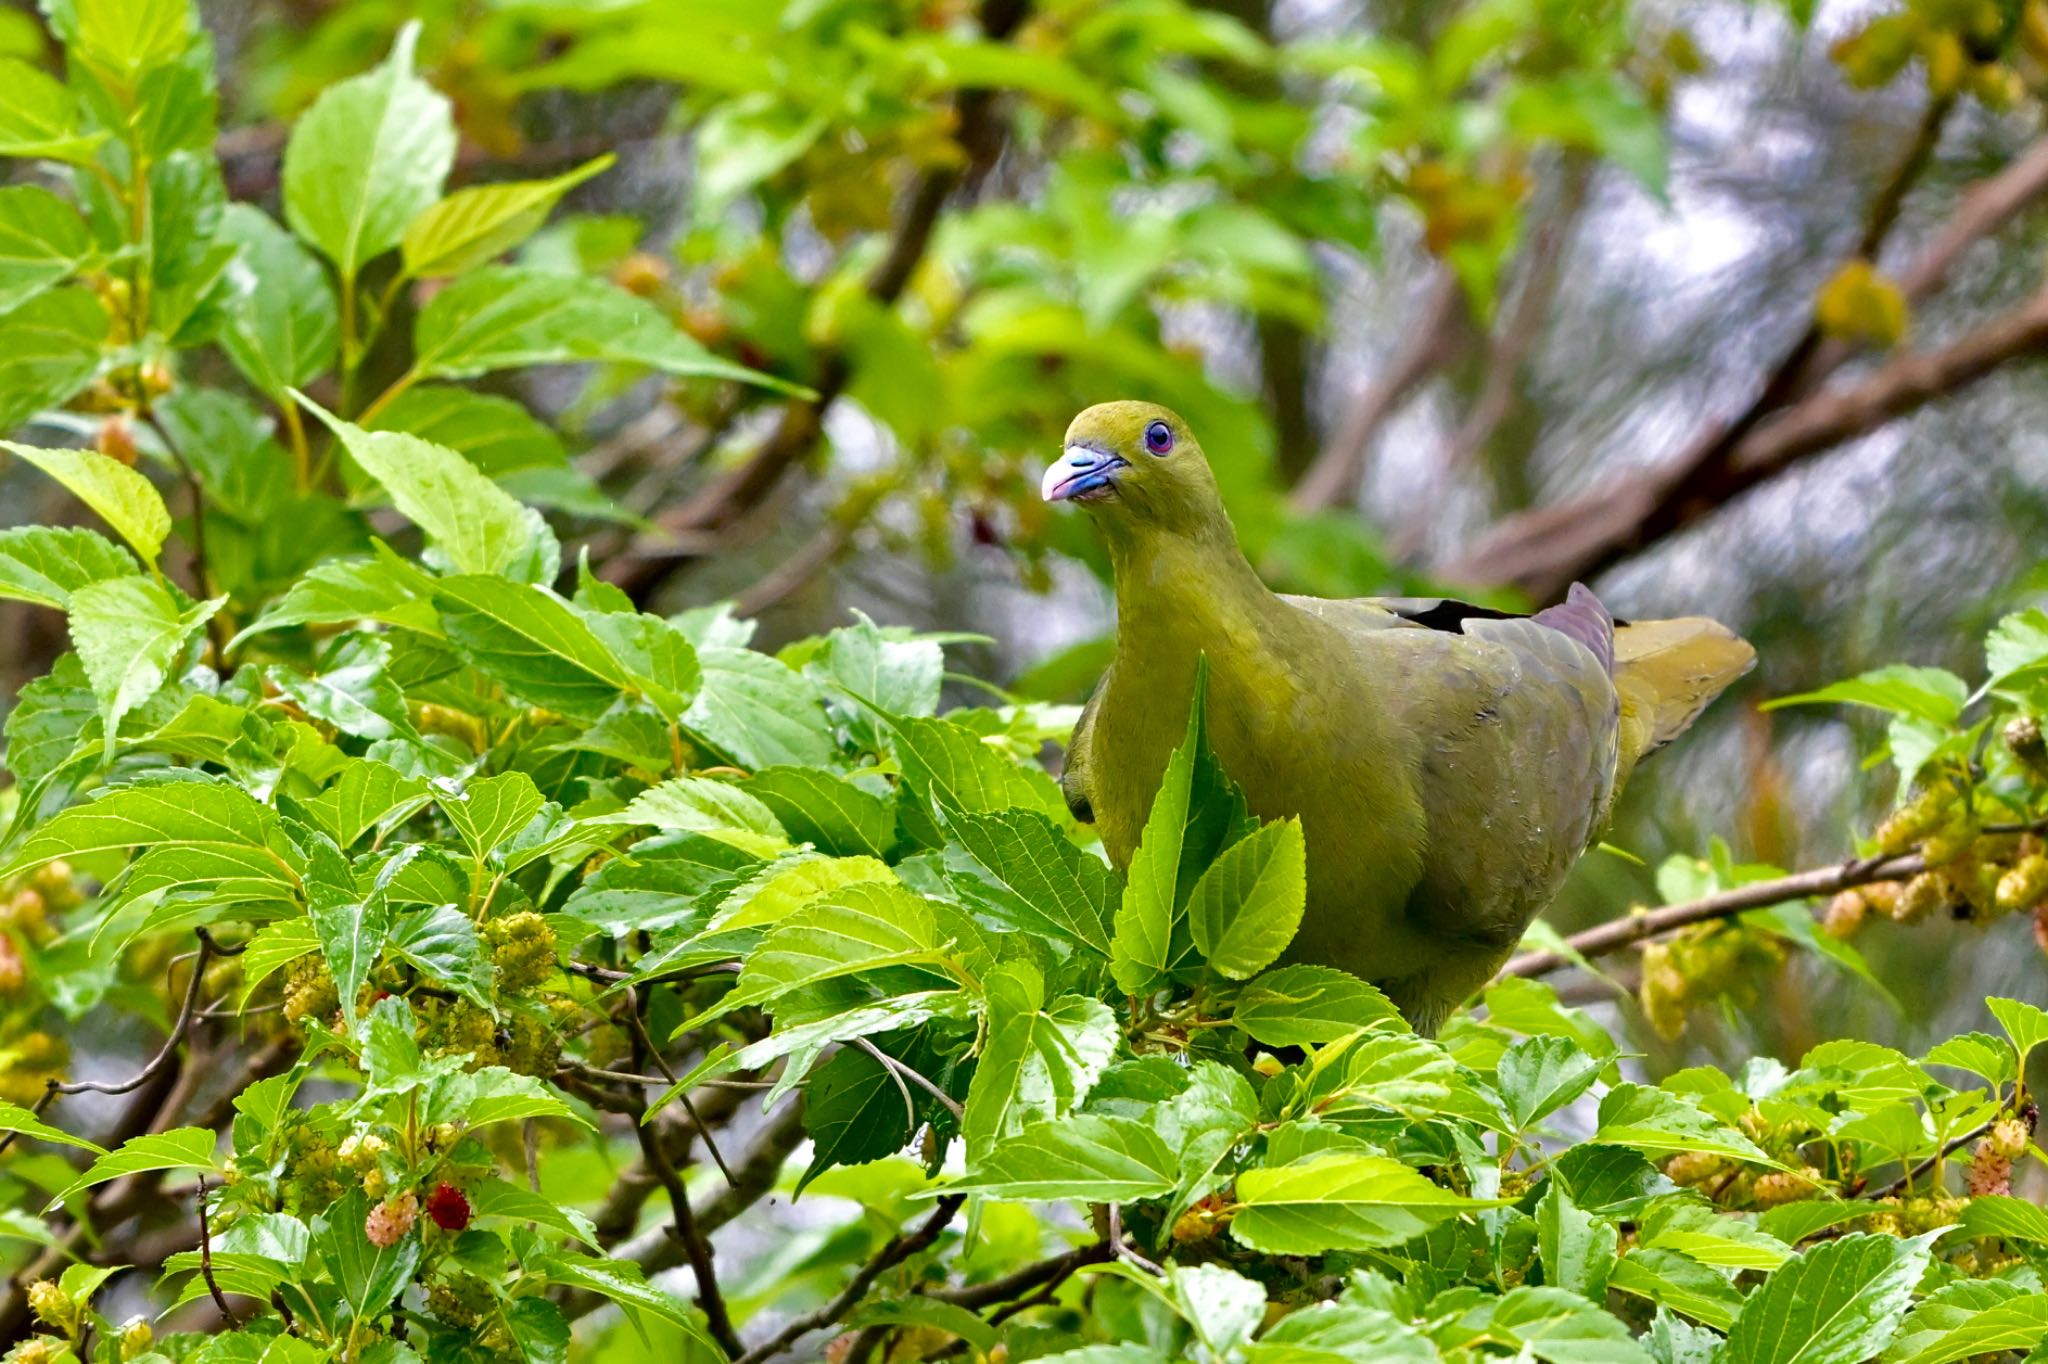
column 856, row 929
column 1552, row 1325
column 15, row 1118
column 533, row 642
column 181, row 1148
column 441, row 943
column 1539, row 1075
column 1979, row 1053
column 1931, row 694
column 1837, row 1303
column 130, row 634
column 707, row 806
column 950, row 767
column 2019, row 1324
column 2015, row 1219
column 123, row 498
column 473, row 522
column 1196, row 813
column 127, row 37
column 1341, row 1201
column 275, row 945
column 929, row 1313
column 1577, row 1248
column 367, row 1276
column 475, row 226
column 896, row 676
column 46, row 564
column 495, row 434
column 367, row 158
column 1039, row 1061
column 1038, row 878
column 1648, row 1119
column 658, row 882
column 1245, row 908
column 2026, row 1024
column 1296, row 1006
column 491, row 809
column 352, row 928
column 757, row 711
column 43, row 241
column 365, row 795
column 352, row 689
column 1341, row 1333
column 1084, row 1156
column 1701, row 1232
column 509, row 317
column 351, row 591
column 1672, row 1281
column 825, row 810
column 2016, row 646
column 55, row 344
column 187, row 817
column 622, row 1283
column 500, row 1198
column 39, row 117
column 283, row 324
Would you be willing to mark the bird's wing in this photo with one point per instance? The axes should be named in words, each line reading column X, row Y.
column 1075, row 778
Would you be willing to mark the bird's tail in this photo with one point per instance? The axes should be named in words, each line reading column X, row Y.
column 1667, row 671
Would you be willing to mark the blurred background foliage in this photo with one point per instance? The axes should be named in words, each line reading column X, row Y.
column 1722, row 306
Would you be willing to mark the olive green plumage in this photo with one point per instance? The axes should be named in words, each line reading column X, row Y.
column 1449, row 764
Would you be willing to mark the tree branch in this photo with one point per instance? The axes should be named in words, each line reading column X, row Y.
column 1334, row 475
column 1616, row 934
column 732, row 492
column 899, row 1249
column 1544, row 549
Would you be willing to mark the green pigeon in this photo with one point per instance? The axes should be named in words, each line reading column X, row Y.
column 1449, row 762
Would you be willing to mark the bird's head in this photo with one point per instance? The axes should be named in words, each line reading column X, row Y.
column 1136, row 465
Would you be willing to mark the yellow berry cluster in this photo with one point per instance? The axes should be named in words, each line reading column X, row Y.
column 1973, row 47
column 1699, row 964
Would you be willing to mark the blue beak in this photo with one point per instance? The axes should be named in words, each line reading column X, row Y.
column 1082, row 474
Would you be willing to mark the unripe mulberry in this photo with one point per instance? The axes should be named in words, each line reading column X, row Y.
column 2024, row 886
column 1920, row 816
column 36, row 1350
column 2008, row 1137
column 1882, row 897
column 1845, row 914
column 1923, row 895
column 309, row 990
column 1785, row 1186
column 2023, row 739
column 1950, row 841
column 1663, row 992
column 522, row 948
column 390, row 1220
column 449, row 1207
column 136, row 1337
column 1694, row 1168
column 534, row 1046
column 52, row 1306
column 116, row 439
column 460, row 1300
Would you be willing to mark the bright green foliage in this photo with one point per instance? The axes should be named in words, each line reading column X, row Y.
column 423, row 856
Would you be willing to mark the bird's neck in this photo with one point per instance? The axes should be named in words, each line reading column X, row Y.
column 1182, row 593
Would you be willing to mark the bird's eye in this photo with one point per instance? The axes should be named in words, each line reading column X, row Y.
column 1159, row 438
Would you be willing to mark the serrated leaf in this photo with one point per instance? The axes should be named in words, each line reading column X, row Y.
column 351, row 926
column 2026, row 1024
column 2019, row 1324
column 39, row 118
column 856, row 929
column 283, row 323
column 15, row 1118
column 476, row 225
column 1979, row 1053
column 365, row 795
column 1648, row 1119
column 367, row 158
column 122, row 498
column 55, row 345
column 472, row 521
column 1295, row 1006
column 658, row 882
column 489, row 810
column 500, row 1198
column 495, row 434
column 1577, row 1248
column 509, row 317
column 130, row 634
column 1340, row 1201
column 1041, row 881
column 757, row 711
column 1539, row 1075
column 441, row 943
column 181, row 1148
column 533, row 642
column 186, row 817
column 1195, row 814
column 1085, row 1156
column 43, row 241
column 1837, row 1303
column 707, row 806
column 1040, row 1059
column 46, row 564
column 950, row 767
column 1678, row 1284
column 352, row 591
column 1340, row 1333
column 367, row 1276
column 826, row 811
column 1934, row 695
column 1549, row 1324
column 1246, row 906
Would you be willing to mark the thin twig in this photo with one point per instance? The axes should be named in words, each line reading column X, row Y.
column 899, row 1249
column 682, row 1096
column 903, row 1072
column 170, row 1046
column 206, row 1259
column 1906, row 1180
